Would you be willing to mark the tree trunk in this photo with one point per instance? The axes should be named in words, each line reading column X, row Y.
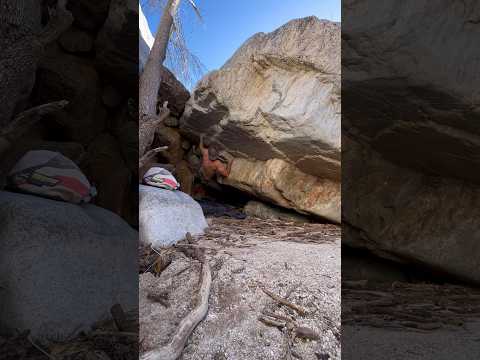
column 150, row 78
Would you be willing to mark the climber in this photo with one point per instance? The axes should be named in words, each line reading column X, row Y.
column 211, row 161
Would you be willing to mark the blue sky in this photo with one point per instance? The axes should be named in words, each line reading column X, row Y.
column 228, row 23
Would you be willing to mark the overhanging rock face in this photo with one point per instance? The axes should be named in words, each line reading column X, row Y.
column 411, row 192
column 278, row 97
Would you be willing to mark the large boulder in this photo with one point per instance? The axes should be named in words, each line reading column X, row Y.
column 415, row 108
column 166, row 216
column 62, row 265
column 284, row 184
column 410, row 217
column 172, row 91
column 412, row 133
column 278, row 97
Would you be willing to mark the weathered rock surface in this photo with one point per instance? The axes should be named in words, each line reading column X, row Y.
column 174, row 92
column 62, row 265
column 89, row 14
column 285, row 185
column 165, row 216
column 109, row 172
column 412, row 135
column 64, row 76
column 410, row 217
column 267, row 212
column 434, row 128
column 117, row 45
column 278, row 97
column 75, row 40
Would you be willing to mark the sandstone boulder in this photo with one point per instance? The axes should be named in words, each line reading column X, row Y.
column 278, row 97
column 285, row 185
column 165, row 216
column 409, row 217
column 434, row 128
column 62, row 265
column 412, row 133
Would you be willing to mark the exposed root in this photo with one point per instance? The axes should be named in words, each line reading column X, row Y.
column 174, row 349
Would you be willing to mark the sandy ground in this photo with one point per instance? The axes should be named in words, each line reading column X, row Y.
column 298, row 262
column 416, row 321
column 369, row 343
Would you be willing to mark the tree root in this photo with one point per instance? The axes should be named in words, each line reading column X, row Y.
column 149, row 155
column 174, row 349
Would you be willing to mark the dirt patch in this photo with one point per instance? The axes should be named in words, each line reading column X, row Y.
column 299, row 263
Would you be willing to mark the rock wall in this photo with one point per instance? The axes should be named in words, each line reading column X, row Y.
column 278, row 100
column 93, row 65
column 412, row 136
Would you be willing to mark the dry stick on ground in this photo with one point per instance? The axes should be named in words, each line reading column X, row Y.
column 277, row 298
column 174, row 349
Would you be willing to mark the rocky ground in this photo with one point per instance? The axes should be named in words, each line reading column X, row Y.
column 250, row 258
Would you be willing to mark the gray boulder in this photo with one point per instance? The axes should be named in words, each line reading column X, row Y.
column 62, row 265
column 166, row 216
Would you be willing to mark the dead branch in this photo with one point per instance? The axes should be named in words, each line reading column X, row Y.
column 278, row 316
column 174, row 349
column 149, row 155
column 24, row 120
column 278, row 299
column 271, row 322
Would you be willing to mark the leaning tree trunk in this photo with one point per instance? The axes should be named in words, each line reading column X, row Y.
column 150, row 80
